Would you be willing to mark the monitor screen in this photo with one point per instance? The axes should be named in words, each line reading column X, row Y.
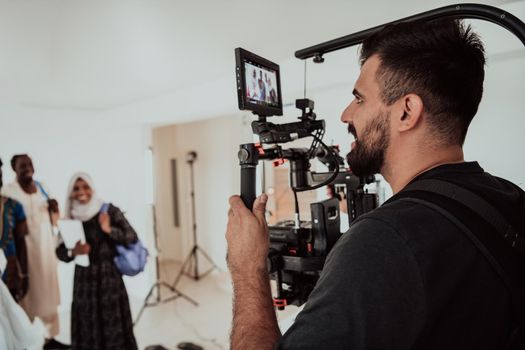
column 258, row 84
column 261, row 85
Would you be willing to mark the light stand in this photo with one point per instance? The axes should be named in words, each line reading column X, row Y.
column 190, row 267
column 149, row 301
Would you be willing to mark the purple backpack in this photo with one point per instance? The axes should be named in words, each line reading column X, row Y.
column 131, row 258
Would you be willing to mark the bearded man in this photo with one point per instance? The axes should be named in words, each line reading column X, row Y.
column 404, row 276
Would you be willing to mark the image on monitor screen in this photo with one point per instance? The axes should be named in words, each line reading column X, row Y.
column 261, row 85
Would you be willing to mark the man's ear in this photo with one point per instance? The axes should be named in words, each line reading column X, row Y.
column 409, row 111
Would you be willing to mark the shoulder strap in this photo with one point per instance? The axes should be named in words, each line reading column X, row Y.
column 104, row 208
column 39, row 185
column 477, row 204
column 486, row 228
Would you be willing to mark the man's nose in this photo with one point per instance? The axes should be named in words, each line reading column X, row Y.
column 346, row 116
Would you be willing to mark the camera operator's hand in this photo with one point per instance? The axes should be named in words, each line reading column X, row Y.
column 254, row 321
column 247, row 237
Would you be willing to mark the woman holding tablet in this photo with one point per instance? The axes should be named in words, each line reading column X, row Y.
column 101, row 317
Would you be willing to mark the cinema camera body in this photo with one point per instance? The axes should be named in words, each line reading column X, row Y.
column 298, row 249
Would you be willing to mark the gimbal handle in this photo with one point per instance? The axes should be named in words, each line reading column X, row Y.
column 248, row 159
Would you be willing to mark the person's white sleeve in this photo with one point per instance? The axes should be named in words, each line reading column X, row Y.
column 16, row 330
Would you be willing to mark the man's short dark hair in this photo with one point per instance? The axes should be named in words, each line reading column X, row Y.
column 15, row 158
column 441, row 61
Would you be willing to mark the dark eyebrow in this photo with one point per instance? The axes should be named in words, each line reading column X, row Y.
column 357, row 93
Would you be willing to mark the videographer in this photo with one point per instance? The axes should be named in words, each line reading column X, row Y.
column 405, row 276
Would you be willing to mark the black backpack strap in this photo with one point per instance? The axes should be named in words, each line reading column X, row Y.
column 487, row 229
column 476, row 204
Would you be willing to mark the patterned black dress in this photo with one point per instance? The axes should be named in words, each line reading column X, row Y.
column 100, row 313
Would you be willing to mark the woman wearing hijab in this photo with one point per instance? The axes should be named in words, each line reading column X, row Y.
column 100, row 315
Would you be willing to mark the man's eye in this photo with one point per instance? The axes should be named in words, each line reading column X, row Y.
column 358, row 100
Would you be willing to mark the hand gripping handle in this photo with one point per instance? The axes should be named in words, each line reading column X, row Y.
column 248, row 159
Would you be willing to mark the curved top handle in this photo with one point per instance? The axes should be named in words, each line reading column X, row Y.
column 460, row 11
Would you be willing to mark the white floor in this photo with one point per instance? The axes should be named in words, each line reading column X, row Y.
column 175, row 321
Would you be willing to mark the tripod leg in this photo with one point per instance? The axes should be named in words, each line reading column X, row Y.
column 196, row 275
column 179, row 294
column 193, row 265
column 208, row 258
column 146, row 302
column 188, row 298
column 183, row 267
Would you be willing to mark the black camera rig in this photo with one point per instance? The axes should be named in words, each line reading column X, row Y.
column 298, row 249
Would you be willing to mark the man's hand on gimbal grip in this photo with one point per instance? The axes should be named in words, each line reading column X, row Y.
column 247, row 236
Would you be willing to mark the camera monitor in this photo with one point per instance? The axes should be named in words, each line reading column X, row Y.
column 258, row 84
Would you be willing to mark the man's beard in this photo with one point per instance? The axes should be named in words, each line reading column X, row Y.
column 368, row 156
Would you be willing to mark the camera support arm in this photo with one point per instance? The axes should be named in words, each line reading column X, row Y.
column 270, row 133
column 474, row 11
column 301, row 178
